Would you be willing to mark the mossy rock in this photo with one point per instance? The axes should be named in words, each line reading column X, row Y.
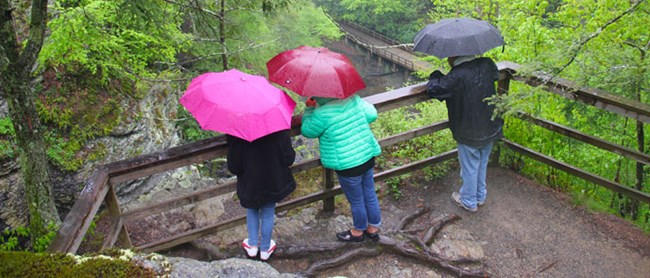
column 28, row 264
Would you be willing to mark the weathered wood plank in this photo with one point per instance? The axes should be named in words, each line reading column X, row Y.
column 616, row 187
column 176, row 202
column 399, row 97
column 162, row 161
column 408, row 135
column 76, row 223
column 417, row 165
column 591, row 96
column 113, row 207
column 595, row 141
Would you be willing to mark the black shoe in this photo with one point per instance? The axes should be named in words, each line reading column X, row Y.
column 347, row 236
column 372, row 236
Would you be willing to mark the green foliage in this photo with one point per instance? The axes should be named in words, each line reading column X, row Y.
column 11, row 239
column 189, row 127
column 7, row 145
column 252, row 37
column 393, row 122
column 393, row 187
column 122, row 39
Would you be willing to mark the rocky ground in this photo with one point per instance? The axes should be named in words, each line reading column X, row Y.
column 523, row 230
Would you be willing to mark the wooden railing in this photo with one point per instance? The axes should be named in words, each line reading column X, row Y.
column 100, row 188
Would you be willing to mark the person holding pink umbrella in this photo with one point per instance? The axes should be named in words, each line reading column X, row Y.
column 340, row 119
column 263, row 179
column 256, row 118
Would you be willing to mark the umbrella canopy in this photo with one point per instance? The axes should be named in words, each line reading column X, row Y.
column 319, row 72
column 239, row 104
column 457, row 37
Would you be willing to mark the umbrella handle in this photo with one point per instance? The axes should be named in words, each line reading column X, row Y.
column 310, row 102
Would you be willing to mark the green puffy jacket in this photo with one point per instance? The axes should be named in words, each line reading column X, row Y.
column 342, row 126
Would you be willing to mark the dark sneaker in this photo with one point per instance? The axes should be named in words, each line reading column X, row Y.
column 347, row 236
column 455, row 197
column 374, row 236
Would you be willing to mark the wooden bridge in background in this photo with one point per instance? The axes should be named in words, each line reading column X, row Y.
column 384, row 47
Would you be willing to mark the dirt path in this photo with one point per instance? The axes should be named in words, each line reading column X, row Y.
column 526, row 230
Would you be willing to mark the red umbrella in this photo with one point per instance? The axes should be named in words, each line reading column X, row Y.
column 239, row 104
column 310, row 71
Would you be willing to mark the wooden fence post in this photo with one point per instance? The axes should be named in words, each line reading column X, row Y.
column 328, row 184
column 118, row 230
column 503, row 86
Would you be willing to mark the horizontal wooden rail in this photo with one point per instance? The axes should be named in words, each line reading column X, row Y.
column 594, row 141
column 592, row 96
column 299, row 202
column 216, row 190
column 616, row 187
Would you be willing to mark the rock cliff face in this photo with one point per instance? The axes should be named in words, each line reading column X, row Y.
column 148, row 128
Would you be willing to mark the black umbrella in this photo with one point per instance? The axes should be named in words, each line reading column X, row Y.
column 457, row 37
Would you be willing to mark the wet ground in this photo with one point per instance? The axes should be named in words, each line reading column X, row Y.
column 526, row 230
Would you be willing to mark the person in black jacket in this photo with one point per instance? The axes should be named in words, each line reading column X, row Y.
column 263, row 179
column 473, row 125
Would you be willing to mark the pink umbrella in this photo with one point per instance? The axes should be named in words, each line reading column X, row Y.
column 311, row 71
column 239, row 104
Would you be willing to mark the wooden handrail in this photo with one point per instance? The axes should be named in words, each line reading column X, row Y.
column 100, row 187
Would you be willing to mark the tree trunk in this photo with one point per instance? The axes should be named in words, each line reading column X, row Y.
column 16, row 76
column 222, row 35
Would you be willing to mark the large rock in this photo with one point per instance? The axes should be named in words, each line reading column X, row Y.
column 13, row 206
column 232, row 268
column 147, row 128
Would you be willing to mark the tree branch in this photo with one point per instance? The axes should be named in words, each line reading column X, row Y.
column 598, row 31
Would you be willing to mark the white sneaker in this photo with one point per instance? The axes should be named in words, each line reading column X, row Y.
column 264, row 255
column 251, row 251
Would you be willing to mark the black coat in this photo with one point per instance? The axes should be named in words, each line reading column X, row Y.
column 262, row 168
column 464, row 90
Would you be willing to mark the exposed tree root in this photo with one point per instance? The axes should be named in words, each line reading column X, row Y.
column 344, row 258
column 396, row 240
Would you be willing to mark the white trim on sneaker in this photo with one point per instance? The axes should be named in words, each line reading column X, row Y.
column 264, row 255
column 251, row 251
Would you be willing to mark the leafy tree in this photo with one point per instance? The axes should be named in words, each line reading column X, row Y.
column 245, row 35
column 17, row 60
column 94, row 62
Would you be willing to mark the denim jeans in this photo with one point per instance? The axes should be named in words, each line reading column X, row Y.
column 360, row 192
column 473, row 170
column 259, row 221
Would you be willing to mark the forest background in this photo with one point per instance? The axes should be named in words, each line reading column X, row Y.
column 99, row 57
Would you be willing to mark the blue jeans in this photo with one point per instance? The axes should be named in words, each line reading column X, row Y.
column 360, row 192
column 260, row 221
column 473, row 170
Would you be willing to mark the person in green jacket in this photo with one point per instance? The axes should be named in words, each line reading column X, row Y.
column 348, row 146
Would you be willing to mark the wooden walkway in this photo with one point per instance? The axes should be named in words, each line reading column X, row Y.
column 384, row 47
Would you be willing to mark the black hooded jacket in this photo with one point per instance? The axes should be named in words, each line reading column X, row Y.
column 464, row 90
column 262, row 168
